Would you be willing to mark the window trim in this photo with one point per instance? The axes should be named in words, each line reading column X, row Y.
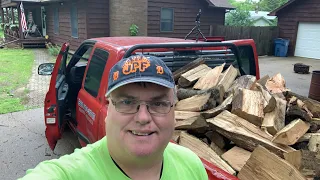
column 76, row 8
column 86, row 73
column 56, row 10
column 172, row 20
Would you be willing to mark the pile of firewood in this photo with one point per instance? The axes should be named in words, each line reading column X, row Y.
column 253, row 129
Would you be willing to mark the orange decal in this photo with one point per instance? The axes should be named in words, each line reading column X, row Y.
column 134, row 64
column 159, row 69
column 115, row 75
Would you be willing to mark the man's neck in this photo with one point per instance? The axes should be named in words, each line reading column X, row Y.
column 134, row 168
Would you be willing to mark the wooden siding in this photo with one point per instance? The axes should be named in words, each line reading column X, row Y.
column 290, row 16
column 65, row 24
column 98, row 18
column 185, row 12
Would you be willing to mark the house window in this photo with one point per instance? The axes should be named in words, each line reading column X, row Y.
column 166, row 22
column 74, row 21
column 95, row 71
column 56, row 20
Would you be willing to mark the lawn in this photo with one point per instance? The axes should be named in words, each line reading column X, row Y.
column 15, row 71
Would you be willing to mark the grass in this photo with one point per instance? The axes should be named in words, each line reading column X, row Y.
column 15, row 72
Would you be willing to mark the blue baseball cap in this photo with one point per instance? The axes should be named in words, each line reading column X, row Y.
column 139, row 68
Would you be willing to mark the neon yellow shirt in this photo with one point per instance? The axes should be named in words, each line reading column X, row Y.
column 93, row 162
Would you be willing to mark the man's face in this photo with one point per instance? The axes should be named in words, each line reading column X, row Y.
column 140, row 134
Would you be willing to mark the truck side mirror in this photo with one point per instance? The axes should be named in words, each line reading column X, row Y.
column 45, row 68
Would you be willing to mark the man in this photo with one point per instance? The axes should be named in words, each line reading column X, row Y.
column 139, row 126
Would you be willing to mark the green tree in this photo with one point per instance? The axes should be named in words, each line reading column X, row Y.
column 240, row 16
column 270, row 5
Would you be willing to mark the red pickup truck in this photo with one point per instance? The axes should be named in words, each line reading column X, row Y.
column 76, row 96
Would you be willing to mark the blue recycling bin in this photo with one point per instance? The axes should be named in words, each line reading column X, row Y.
column 281, row 47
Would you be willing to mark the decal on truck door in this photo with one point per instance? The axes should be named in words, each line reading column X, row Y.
column 90, row 115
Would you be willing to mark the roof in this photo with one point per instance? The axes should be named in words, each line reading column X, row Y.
column 255, row 19
column 126, row 41
column 257, row 15
column 274, row 12
column 220, row 3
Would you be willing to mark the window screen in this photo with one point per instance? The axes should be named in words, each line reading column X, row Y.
column 56, row 20
column 95, row 71
column 166, row 23
column 74, row 21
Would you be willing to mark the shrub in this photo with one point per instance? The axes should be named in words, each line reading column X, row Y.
column 134, row 29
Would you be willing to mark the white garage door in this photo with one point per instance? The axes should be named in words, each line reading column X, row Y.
column 308, row 40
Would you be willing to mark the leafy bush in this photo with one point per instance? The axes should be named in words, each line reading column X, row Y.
column 134, row 29
column 53, row 49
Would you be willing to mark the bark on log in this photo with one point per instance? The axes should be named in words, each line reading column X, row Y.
column 244, row 134
column 191, row 65
column 274, row 121
column 294, row 112
column 226, row 105
column 190, row 77
column 291, row 133
column 209, row 80
column 307, row 162
column 264, row 165
column 204, row 151
column 249, row 105
column 216, row 138
column 197, row 123
column 244, row 82
column 186, row 93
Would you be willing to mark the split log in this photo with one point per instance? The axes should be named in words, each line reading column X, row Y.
column 190, row 77
column 191, row 65
column 249, row 104
column 244, row 82
column 306, row 137
column 216, row 138
column 312, row 105
column 295, row 101
column 291, row 133
column 225, row 105
column 307, row 162
column 204, row 151
column 195, row 103
column 264, row 165
column 263, row 80
column 276, row 84
column 186, row 93
column 269, row 101
column 274, row 121
column 209, row 80
column 182, row 115
column 314, row 143
column 244, row 134
column 228, row 77
column 236, row 157
column 197, row 123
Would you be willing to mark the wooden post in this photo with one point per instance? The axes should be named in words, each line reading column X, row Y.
column 21, row 36
column 2, row 15
column 7, row 16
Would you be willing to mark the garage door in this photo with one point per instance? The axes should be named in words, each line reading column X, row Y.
column 308, row 40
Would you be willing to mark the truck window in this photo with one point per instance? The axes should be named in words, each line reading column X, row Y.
column 247, row 60
column 95, row 71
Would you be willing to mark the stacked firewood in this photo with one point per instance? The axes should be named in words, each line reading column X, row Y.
column 253, row 129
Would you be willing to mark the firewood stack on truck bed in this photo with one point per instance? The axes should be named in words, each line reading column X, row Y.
column 253, row 129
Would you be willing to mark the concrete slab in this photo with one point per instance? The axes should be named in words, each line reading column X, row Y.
column 23, row 144
column 298, row 83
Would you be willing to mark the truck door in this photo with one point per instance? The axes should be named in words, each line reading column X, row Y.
column 55, row 100
column 90, row 102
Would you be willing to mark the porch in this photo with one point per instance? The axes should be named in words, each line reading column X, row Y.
column 31, row 33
